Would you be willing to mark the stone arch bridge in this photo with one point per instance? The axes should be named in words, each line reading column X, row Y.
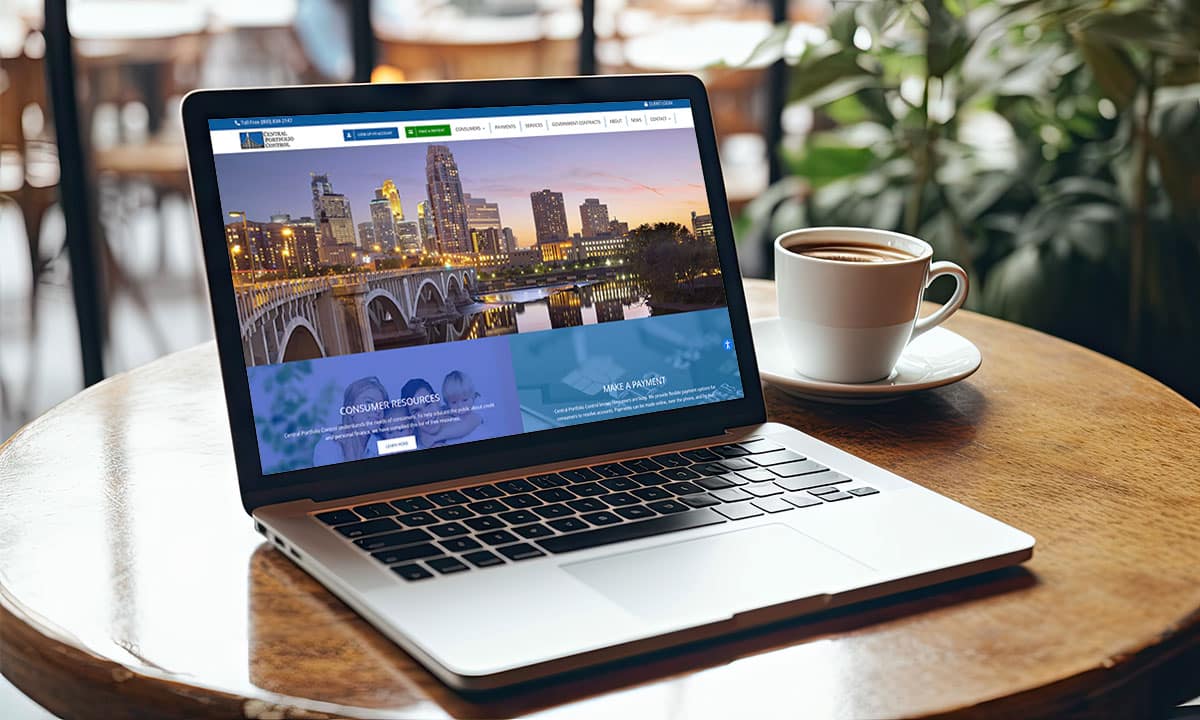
column 284, row 320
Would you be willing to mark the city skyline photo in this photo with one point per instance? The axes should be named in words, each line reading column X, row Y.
column 643, row 177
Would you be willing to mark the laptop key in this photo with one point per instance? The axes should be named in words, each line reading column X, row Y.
column 803, row 467
column 756, row 475
column 518, row 517
column 482, row 492
column 521, row 551
column 671, row 460
column 411, row 505
column 861, row 491
column 619, row 483
column 487, row 507
column 635, row 512
column 679, row 474
column 684, row 488
column 760, row 445
column 404, row 537
column 639, row 465
column 448, row 530
column 483, row 558
column 460, row 544
column 834, row 497
column 454, row 512
column 392, row 556
column 547, row 480
column 536, row 530
column 717, row 482
column 518, row 502
column 699, row 501
column 516, row 486
column 580, row 475
column 603, row 517
column 802, row 500
column 763, row 489
column 570, row 524
column 448, row 497
column 773, row 504
column 337, row 517
column 709, row 468
column 620, row 499
column 417, row 518
column 807, row 482
column 586, row 505
column 740, row 511
column 777, row 457
column 630, row 531
column 370, row 527
column 666, row 507
column 409, row 552
column 736, row 464
column 412, row 572
column 588, row 489
column 555, row 495
column 611, row 470
column 447, row 565
column 824, row 490
column 730, row 451
column 700, row 455
column 556, row 510
column 647, row 479
column 731, row 495
column 375, row 510
column 497, row 537
column 652, row 493
column 484, row 523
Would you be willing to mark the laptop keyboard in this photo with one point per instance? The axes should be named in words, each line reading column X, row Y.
column 452, row 531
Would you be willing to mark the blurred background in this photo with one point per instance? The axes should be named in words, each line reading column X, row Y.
column 1051, row 147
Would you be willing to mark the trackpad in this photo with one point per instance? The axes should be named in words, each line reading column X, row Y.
column 715, row 577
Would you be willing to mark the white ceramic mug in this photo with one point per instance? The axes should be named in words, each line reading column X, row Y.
column 848, row 322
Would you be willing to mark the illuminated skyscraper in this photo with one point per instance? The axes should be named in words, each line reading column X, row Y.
column 702, row 226
column 594, row 217
column 510, row 240
column 332, row 212
column 482, row 214
column 384, row 222
column 393, row 197
column 425, row 226
column 366, row 234
column 446, row 200
column 408, row 238
column 549, row 217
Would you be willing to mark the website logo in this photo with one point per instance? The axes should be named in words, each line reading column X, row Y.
column 252, row 140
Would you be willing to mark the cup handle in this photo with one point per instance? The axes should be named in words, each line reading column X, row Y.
column 936, row 318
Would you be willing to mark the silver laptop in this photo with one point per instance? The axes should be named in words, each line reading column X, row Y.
column 491, row 381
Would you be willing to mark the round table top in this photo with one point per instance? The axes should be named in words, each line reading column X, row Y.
column 132, row 583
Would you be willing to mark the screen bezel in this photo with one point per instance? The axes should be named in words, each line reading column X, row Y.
column 496, row 454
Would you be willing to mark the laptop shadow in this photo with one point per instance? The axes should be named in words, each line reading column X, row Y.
column 292, row 616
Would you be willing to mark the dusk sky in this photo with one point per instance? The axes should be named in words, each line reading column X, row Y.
column 646, row 176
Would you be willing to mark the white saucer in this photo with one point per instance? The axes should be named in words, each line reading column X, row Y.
column 937, row 358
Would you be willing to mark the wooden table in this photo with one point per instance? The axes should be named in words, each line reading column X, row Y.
column 132, row 585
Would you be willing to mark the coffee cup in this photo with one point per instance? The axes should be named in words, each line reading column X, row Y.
column 849, row 299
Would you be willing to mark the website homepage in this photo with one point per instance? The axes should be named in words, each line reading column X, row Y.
column 415, row 279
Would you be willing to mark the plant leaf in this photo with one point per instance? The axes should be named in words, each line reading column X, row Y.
column 1111, row 68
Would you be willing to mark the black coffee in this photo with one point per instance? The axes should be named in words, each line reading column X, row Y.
column 854, row 252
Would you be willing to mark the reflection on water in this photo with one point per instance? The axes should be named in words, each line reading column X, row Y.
column 533, row 309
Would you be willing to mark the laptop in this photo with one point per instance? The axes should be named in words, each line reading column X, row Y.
column 490, row 377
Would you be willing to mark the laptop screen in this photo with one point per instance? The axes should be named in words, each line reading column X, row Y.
column 409, row 280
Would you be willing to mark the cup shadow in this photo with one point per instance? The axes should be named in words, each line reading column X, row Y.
column 294, row 619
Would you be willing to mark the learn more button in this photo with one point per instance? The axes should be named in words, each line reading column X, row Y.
column 396, row 444
column 424, row 131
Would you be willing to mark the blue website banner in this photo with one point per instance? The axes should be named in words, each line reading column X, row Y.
column 349, row 407
column 285, row 121
column 600, row 372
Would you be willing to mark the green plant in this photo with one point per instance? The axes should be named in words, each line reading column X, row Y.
column 1052, row 147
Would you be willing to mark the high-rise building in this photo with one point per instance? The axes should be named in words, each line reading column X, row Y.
column 425, row 226
column 510, row 240
column 332, row 212
column 487, row 241
column 446, row 200
column 594, row 216
column 549, row 217
column 366, row 234
column 384, row 222
column 393, row 197
column 483, row 215
column 616, row 228
column 702, row 226
column 305, row 249
column 408, row 237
